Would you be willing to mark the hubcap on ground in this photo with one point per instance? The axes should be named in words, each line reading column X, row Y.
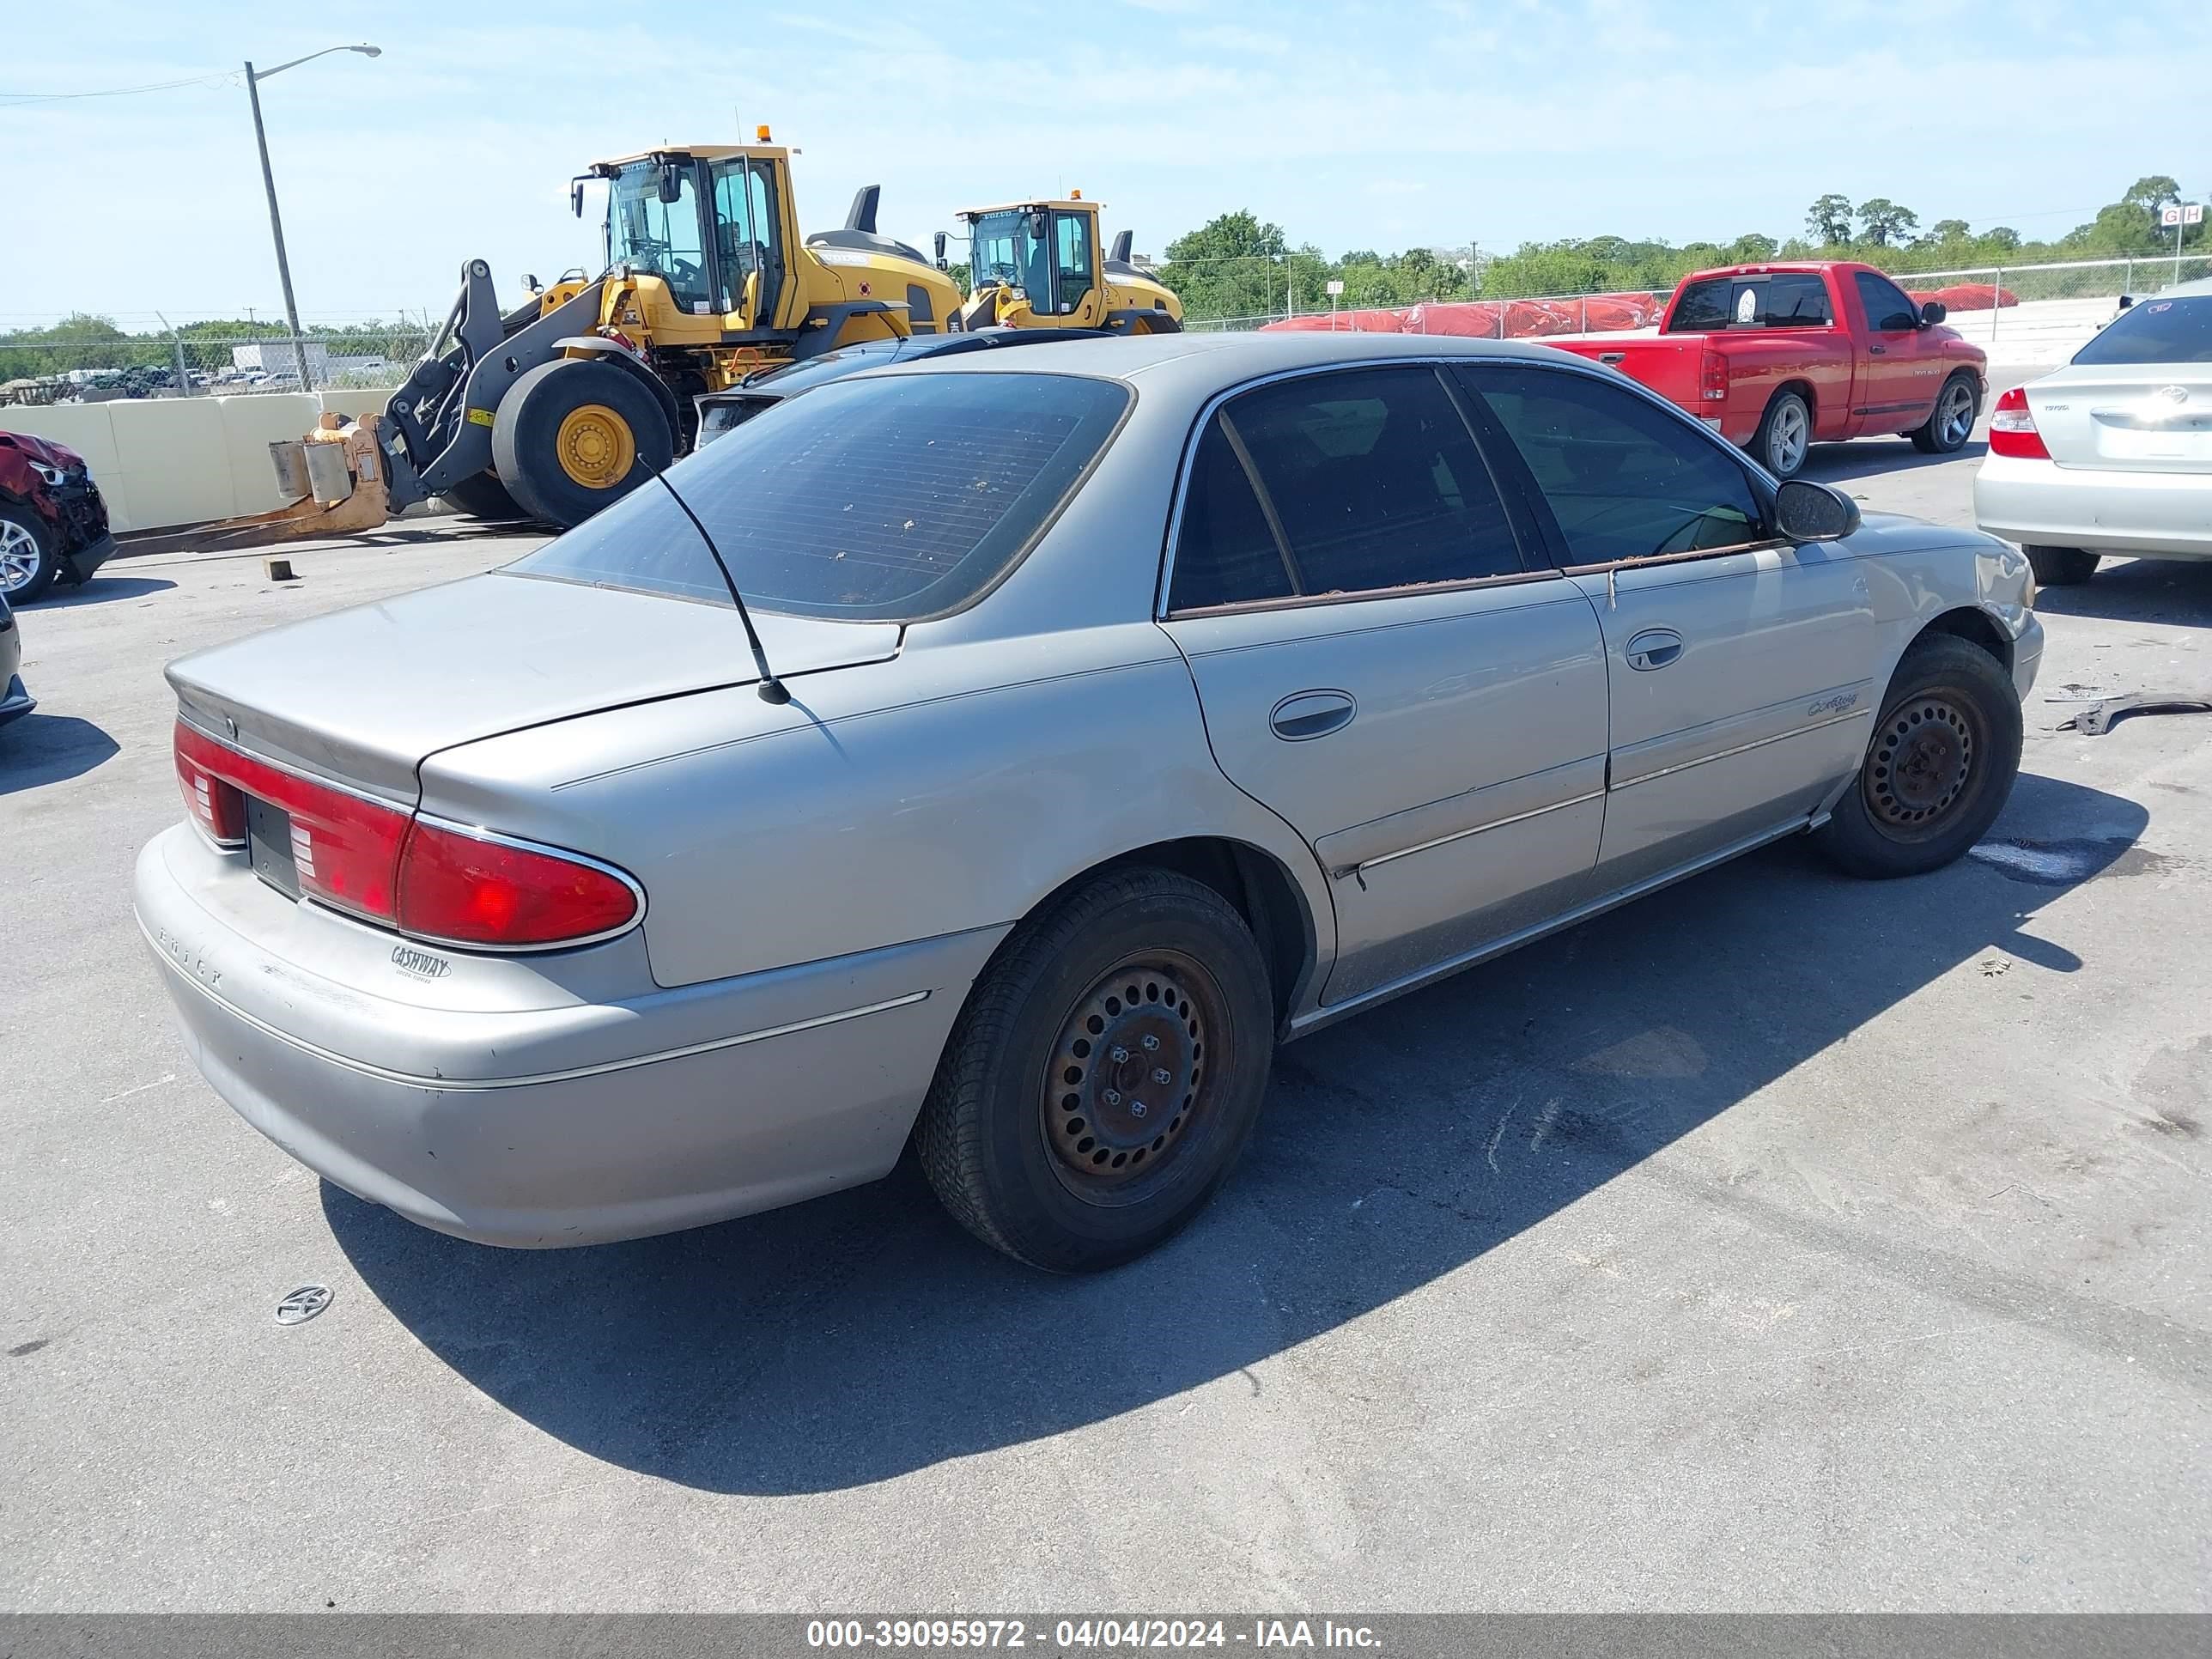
column 1129, row 1075
column 19, row 556
column 1787, row 448
column 1957, row 418
column 595, row 446
column 1921, row 760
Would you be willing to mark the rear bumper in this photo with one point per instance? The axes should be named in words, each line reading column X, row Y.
column 2161, row 515
column 14, row 701
column 575, row 1123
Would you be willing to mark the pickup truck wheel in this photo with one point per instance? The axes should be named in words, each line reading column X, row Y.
column 1951, row 422
column 2061, row 567
column 1103, row 1077
column 30, row 556
column 1938, row 768
column 1784, row 435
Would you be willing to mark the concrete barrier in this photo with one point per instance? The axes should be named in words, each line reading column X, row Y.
column 164, row 461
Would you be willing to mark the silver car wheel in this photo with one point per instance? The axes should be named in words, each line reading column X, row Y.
column 19, row 557
column 1954, row 416
column 1785, row 444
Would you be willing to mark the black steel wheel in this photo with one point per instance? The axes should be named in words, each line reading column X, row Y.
column 1105, row 1073
column 1938, row 768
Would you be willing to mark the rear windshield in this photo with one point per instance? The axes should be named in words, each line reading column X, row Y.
column 2156, row 331
column 868, row 499
column 1788, row 301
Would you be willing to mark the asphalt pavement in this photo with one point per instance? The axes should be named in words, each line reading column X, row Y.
column 1779, row 1242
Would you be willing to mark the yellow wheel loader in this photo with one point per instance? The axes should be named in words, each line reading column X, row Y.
column 1036, row 265
column 554, row 408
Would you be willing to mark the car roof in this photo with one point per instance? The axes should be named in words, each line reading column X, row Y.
column 2201, row 285
column 1223, row 358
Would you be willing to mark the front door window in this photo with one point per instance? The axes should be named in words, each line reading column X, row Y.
column 657, row 238
column 748, row 240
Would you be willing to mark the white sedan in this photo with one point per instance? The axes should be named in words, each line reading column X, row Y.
column 2113, row 452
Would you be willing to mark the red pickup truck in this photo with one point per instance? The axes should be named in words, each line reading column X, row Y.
column 1777, row 357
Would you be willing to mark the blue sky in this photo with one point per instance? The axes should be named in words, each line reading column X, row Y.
column 1423, row 121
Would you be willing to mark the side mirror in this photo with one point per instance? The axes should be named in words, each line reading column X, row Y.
column 530, row 280
column 940, row 250
column 672, row 184
column 2126, row 300
column 1932, row 313
column 576, row 198
column 1037, row 224
column 1808, row 512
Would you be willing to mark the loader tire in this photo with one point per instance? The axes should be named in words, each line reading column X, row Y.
column 574, row 435
column 483, row 496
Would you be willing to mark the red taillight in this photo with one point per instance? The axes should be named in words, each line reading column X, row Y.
column 346, row 847
column 2012, row 429
column 465, row 889
column 1712, row 377
column 212, row 804
column 383, row 863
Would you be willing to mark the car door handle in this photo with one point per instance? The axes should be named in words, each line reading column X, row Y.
column 1307, row 715
column 1655, row 647
column 1877, row 351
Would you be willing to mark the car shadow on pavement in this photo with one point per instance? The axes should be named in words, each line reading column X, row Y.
column 41, row 749
column 1868, row 457
column 864, row 1336
column 102, row 590
column 2174, row 590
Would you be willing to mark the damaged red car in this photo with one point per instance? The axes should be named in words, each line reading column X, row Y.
column 54, row 523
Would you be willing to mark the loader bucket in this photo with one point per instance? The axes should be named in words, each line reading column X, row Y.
column 338, row 474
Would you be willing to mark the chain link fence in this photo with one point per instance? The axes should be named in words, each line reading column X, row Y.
column 62, row 365
column 47, row 366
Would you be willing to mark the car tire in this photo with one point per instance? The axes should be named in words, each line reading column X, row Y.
column 30, row 554
column 574, row 435
column 1034, row 1134
column 2061, row 567
column 483, row 496
column 1784, row 437
column 1951, row 422
column 1938, row 768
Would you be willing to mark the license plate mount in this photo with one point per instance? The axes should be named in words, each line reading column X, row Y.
column 269, row 840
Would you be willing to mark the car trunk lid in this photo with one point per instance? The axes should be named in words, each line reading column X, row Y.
column 2126, row 417
column 362, row 697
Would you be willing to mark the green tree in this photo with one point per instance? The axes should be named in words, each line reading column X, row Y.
column 1883, row 222
column 1231, row 266
column 1751, row 249
column 1829, row 220
column 1948, row 230
column 2003, row 238
column 2151, row 192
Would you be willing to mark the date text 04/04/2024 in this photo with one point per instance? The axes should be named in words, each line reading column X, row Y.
column 1088, row 1635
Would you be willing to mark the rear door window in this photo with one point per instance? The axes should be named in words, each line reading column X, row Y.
column 2156, row 331
column 1625, row 479
column 1364, row 479
column 878, row 499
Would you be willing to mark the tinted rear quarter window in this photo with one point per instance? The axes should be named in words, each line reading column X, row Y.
column 1372, row 477
column 872, row 499
column 2156, row 331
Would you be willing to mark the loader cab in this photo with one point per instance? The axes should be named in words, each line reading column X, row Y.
column 711, row 226
column 1048, row 251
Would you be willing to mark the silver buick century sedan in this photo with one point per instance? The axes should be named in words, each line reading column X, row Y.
column 1005, row 753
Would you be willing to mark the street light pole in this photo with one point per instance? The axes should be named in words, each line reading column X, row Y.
column 253, row 81
column 276, row 230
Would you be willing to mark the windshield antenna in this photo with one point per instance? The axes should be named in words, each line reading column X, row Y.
column 772, row 690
